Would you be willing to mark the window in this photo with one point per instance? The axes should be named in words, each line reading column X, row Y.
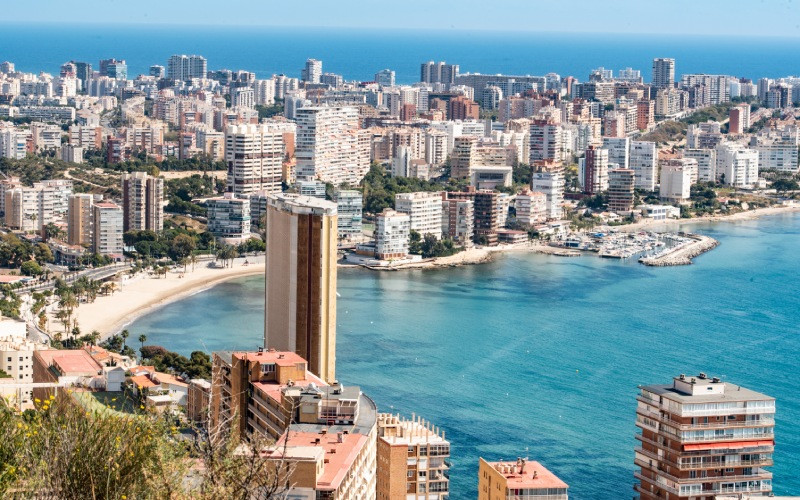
column 267, row 367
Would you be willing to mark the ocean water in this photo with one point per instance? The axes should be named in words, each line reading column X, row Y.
column 540, row 356
column 359, row 53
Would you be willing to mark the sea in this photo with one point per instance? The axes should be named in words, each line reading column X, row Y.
column 540, row 356
column 358, row 53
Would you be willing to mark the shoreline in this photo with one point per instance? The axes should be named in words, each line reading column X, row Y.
column 143, row 294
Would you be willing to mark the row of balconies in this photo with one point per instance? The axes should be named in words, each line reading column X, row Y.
column 707, row 461
column 729, row 435
column 761, row 422
column 716, row 488
column 758, row 473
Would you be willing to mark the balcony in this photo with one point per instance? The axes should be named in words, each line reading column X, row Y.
column 706, row 461
column 755, row 476
column 722, row 424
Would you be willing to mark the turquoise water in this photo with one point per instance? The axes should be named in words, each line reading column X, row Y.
column 359, row 53
column 540, row 356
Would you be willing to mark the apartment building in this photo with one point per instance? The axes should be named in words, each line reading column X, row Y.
column 16, row 359
column 593, row 170
column 737, row 165
column 739, row 119
column 531, row 207
column 458, row 221
column 412, row 459
column 676, row 182
column 254, row 155
column 142, row 202
column 182, row 67
column 349, row 206
column 663, row 72
column 329, row 145
column 706, row 163
column 312, row 72
column 547, row 141
column 300, row 302
column 326, row 433
column 229, row 218
column 618, row 151
column 392, row 233
column 424, row 210
column 548, row 178
column 701, row 437
column 520, row 479
column 643, row 160
column 486, row 213
column 107, row 229
column 621, row 184
column 32, row 208
column 80, row 220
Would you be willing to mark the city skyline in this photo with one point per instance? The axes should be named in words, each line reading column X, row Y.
column 715, row 17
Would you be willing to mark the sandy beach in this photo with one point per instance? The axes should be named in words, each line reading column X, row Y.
column 669, row 224
column 143, row 293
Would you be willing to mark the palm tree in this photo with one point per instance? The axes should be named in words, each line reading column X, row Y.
column 68, row 303
column 142, row 339
column 94, row 336
column 124, row 334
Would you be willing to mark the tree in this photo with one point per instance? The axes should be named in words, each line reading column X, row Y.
column 782, row 185
column 42, row 253
column 142, row 339
column 182, row 246
column 68, row 303
column 31, row 268
column 414, row 243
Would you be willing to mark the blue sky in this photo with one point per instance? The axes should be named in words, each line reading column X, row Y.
column 699, row 17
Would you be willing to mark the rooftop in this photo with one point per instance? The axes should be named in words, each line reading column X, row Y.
column 525, row 473
column 70, row 362
column 340, row 452
column 301, row 205
column 704, row 389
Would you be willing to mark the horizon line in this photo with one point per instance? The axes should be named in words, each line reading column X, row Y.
column 451, row 29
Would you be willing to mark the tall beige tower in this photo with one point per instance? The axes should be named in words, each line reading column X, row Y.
column 80, row 218
column 300, row 302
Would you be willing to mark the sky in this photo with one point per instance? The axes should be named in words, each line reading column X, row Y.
column 698, row 17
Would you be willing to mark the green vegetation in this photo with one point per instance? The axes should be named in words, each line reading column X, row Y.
column 704, row 199
column 270, row 111
column 429, row 246
column 9, row 303
column 119, row 344
column 380, row 187
column 181, row 192
column 784, row 184
column 70, row 449
column 14, row 252
column 172, row 243
column 716, row 113
column 666, row 131
column 198, row 365
column 34, row 169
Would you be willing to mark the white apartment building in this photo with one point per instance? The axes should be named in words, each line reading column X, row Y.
column 312, row 73
column 458, row 221
column 254, row 154
column 392, row 232
column 706, row 163
column 643, row 160
column 229, row 217
column 349, row 206
column 617, row 148
column 329, row 145
column 107, row 229
column 435, row 147
column 16, row 359
column 777, row 155
column 737, row 165
column 675, row 185
column 13, row 143
column 424, row 210
column 531, row 207
column 550, row 181
column 183, row 67
column 264, row 92
column 663, row 72
column 32, row 208
column 547, row 141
